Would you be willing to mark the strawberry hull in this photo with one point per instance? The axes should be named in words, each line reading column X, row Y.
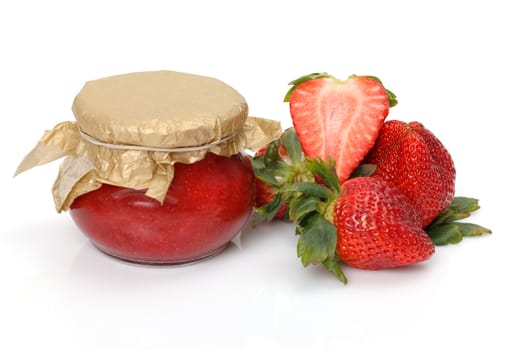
column 207, row 204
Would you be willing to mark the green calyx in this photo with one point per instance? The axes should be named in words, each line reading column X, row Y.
column 312, row 76
column 311, row 207
column 278, row 172
column 446, row 229
column 310, row 204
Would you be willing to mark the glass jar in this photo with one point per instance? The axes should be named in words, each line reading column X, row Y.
column 206, row 205
column 154, row 170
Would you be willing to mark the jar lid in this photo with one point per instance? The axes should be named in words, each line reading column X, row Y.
column 131, row 129
column 159, row 109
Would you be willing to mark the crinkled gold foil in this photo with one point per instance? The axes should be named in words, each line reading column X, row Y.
column 154, row 110
column 88, row 165
column 160, row 109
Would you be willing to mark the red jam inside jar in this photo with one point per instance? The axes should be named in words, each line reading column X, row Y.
column 207, row 204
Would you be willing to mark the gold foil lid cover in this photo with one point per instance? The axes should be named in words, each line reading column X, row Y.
column 131, row 129
column 159, row 109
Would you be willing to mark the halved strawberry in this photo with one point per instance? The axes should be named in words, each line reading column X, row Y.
column 340, row 119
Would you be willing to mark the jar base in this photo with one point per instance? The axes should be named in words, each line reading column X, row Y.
column 163, row 262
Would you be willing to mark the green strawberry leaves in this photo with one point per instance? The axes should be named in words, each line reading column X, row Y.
column 317, row 244
column 317, row 240
column 309, row 203
column 292, row 146
column 268, row 212
column 469, row 230
column 324, row 170
column 333, row 266
column 310, row 189
column 445, row 234
column 446, row 230
column 364, row 170
column 271, row 169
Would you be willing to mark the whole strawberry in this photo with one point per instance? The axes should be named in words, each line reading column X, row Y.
column 378, row 226
column 410, row 157
column 366, row 223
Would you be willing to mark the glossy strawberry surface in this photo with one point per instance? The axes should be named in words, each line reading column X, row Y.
column 410, row 157
column 378, row 226
column 206, row 205
column 339, row 119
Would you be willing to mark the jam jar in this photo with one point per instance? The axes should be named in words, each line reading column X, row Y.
column 155, row 170
column 206, row 205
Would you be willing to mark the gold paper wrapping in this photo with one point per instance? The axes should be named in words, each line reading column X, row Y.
column 131, row 129
column 161, row 109
column 88, row 165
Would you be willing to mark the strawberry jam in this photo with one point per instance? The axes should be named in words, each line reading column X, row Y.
column 207, row 204
column 153, row 170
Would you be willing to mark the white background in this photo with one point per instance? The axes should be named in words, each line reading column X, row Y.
column 445, row 60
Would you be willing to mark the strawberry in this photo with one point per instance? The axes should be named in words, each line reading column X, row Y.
column 378, row 226
column 277, row 165
column 375, row 220
column 366, row 223
column 265, row 193
column 410, row 157
column 340, row 119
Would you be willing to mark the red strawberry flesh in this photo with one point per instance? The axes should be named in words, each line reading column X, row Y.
column 339, row 119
